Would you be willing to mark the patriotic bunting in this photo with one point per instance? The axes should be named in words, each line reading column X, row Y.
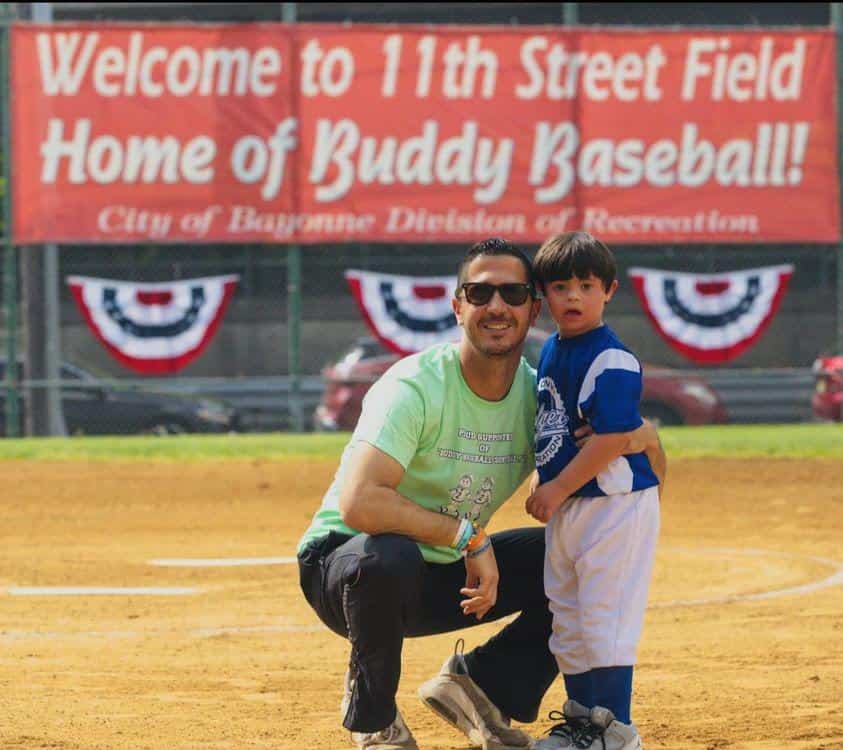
column 406, row 313
column 153, row 329
column 711, row 318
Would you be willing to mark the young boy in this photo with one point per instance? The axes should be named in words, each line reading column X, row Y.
column 601, row 507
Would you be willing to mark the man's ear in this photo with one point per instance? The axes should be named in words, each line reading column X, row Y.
column 536, row 309
column 611, row 290
column 456, row 306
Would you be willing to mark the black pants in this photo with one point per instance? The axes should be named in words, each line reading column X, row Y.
column 377, row 590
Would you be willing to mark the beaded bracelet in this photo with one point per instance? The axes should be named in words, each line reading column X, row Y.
column 476, row 540
column 477, row 551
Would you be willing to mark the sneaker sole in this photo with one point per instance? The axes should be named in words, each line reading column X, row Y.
column 458, row 719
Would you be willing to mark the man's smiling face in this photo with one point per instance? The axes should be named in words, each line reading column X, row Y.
column 496, row 328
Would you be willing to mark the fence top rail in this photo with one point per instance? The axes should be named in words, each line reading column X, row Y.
column 307, row 382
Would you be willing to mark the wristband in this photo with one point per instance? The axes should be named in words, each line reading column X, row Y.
column 465, row 532
column 477, row 551
column 476, row 540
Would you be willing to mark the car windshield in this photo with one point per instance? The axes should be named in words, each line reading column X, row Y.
column 71, row 372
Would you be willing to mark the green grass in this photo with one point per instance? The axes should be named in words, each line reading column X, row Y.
column 175, row 447
column 745, row 441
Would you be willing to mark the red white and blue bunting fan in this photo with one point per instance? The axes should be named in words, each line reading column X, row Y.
column 406, row 313
column 711, row 318
column 153, row 329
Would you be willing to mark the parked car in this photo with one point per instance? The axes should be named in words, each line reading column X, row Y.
column 94, row 407
column 670, row 397
column 827, row 400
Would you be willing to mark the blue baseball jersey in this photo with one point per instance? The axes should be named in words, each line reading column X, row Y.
column 590, row 378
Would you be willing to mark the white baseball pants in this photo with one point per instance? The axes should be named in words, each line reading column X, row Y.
column 598, row 564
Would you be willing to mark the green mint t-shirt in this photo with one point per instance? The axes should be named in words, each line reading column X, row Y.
column 462, row 455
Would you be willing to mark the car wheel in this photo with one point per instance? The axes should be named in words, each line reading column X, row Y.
column 660, row 414
column 164, row 427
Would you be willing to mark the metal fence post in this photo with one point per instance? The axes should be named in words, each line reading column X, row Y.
column 50, row 325
column 294, row 334
column 10, row 260
column 288, row 15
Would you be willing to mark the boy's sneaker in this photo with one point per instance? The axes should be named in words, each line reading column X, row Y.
column 455, row 697
column 394, row 737
column 607, row 733
column 575, row 720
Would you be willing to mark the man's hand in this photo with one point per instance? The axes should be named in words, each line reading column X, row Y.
column 481, row 583
column 582, row 434
column 542, row 504
column 642, row 439
column 638, row 441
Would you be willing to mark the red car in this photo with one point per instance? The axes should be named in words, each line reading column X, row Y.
column 827, row 400
column 670, row 397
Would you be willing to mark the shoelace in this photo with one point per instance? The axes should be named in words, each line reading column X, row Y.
column 566, row 727
column 579, row 729
column 587, row 734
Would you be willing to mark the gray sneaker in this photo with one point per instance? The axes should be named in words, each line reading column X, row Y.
column 347, row 687
column 575, row 719
column 607, row 733
column 455, row 697
column 394, row 737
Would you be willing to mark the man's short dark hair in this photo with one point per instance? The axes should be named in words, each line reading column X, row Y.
column 574, row 254
column 495, row 246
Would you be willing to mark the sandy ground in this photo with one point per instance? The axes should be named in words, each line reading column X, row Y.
column 742, row 647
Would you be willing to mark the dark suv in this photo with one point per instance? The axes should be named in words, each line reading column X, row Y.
column 94, row 407
column 669, row 397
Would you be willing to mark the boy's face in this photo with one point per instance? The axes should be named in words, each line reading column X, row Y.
column 577, row 304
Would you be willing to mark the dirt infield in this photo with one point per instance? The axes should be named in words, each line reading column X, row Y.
column 743, row 644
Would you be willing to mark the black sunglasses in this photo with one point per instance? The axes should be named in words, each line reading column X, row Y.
column 480, row 293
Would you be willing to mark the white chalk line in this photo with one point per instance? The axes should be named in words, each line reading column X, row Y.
column 835, row 579
column 22, row 635
column 219, row 562
column 101, row 590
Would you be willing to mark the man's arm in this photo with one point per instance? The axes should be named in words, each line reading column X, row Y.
column 369, row 501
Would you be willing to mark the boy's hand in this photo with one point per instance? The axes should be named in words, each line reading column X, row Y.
column 542, row 504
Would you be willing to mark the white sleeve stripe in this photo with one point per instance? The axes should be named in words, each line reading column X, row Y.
column 610, row 359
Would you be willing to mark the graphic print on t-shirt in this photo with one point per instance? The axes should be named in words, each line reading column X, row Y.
column 484, row 494
column 464, row 503
column 551, row 422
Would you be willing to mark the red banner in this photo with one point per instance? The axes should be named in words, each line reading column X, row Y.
column 315, row 133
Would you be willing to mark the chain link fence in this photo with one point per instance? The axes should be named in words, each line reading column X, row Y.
column 246, row 363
